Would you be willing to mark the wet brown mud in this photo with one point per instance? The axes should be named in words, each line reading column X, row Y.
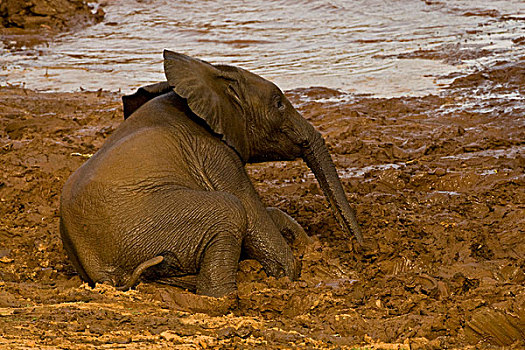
column 32, row 22
column 437, row 181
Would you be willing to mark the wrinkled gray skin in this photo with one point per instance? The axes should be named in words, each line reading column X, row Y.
column 167, row 197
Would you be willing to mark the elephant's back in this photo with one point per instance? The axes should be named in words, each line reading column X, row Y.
column 141, row 155
column 157, row 145
column 152, row 154
column 111, row 189
column 139, row 162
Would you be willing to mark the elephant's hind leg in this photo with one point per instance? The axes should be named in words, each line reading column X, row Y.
column 188, row 282
column 72, row 253
column 217, row 275
column 220, row 259
column 200, row 234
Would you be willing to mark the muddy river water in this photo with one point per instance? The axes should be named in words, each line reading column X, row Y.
column 355, row 46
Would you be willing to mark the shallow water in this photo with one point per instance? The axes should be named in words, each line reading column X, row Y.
column 348, row 45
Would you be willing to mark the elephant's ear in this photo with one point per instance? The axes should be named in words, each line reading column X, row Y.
column 213, row 94
column 132, row 102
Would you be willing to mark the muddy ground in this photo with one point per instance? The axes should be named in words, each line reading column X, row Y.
column 437, row 181
column 32, row 22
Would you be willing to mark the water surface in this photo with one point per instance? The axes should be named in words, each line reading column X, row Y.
column 348, row 45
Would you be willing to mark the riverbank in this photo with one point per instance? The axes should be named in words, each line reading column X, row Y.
column 437, row 181
column 384, row 48
column 32, row 22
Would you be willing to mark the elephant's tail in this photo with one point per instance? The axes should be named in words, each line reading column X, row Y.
column 139, row 270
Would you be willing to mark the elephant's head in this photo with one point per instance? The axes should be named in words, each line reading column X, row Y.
column 253, row 117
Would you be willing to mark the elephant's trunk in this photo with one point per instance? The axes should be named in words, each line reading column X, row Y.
column 319, row 161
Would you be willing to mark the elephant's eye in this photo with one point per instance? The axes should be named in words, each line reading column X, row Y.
column 279, row 104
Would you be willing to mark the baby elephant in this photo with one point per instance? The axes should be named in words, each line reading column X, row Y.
column 167, row 197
